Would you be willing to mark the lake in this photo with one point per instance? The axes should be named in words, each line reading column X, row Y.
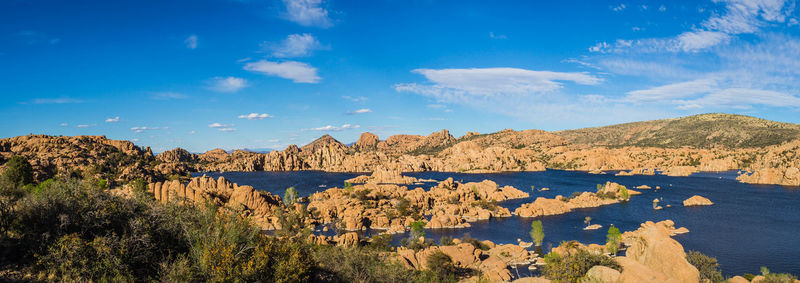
column 748, row 226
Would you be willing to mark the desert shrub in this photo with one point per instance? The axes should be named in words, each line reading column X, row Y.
column 361, row 195
column 417, row 229
column 72, row 258
column 18, row 171
column 339, row 264
column 381, row 242
column 613, row 240
column 488, row 205
column 290, row 196
column 708, row 266
column 474, row 242
column 573, row 267
column 770, row 277
column 442, row 265
column 537, row 232
column 446, row 241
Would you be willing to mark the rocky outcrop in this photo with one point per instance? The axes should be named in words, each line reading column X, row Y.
column 392, row 207
column 382, row 175
column 697, row 200
column 779, row 165
column 88, row 156
column 176, row 155
column 493, row 263
column 366, row 142
column 609, row 193
column 601, row 273
column 653, row 256
column 242, row 199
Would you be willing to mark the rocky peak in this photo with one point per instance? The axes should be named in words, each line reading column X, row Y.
column 367, row 141
column 175, row 155
column 322, row 142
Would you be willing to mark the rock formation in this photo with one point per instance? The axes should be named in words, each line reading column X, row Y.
column 697, row 200
column 609, row 193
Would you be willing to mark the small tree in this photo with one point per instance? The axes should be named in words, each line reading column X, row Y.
column 587, row 220
column 623, row 192
column 290, row 196
column 18, row 171
column 708, row 266
column 613, row 239
column 537, row 232
column 348, row 187
column 418, row 229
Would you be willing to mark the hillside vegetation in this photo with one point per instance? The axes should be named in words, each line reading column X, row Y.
column 699, row 131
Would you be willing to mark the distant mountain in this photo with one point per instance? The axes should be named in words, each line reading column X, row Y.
column 700, row 131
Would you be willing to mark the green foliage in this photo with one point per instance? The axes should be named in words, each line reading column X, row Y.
column 488, row 205
column 770, row 277
column 18, row 172
column 587, row 220
column 418, row 229
column 290, row 196
column 348, row 187
column 442, row 265
column 613, row 240
column 446, row 241
column 474, row 242
column 624, row 194
column 708, row 266
column 537, row 232
column 360, row 265
column 573, row 267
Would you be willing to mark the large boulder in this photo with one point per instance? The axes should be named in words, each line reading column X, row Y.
column 653, row 255
column 603, row 274
column 697, row 200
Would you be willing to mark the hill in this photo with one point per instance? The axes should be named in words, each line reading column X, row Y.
column 699, row 131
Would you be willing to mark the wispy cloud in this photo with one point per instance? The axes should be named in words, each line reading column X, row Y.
column 227, row 84
column 112, row 120
column 255, row 116
column 355, row 99
column 359, row 111
column 497, row 36
column 618, row 8
column 84, row 126
column 296, row 71
column 191, row 42
column 307, row 13
column 226, row 129
column 220, row 125
column 145, row 128
column 64, row 125
column 295, row 45
column 167, row 95
column 62, row 100
column 330, row 128
column 460, row 84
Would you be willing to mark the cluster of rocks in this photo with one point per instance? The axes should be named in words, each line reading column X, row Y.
column 258, row 205
column 609, row 193
column 697, row 200
column 493, row 263
column 779, row 165
column 392, row 207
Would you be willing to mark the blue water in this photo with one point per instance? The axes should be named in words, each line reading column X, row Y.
column 749, row 226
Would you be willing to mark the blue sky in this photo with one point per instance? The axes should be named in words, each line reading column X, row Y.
column 269, row 73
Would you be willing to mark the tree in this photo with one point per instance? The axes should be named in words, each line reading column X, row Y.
column 537, row 232
column 623, row 192
column 708, row 266
column 290, row 196
column 18, row 171
column 587, row 220
column 613, row 239
column 418, row 229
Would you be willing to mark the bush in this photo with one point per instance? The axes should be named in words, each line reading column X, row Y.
column 708, row 266
column 613, row 240
column 18, row 172
column 339, row 264
column 446, row 241
column 537, row 232
column 770, row 277
column 573, row 267
column 442, row 265
column 290, row 196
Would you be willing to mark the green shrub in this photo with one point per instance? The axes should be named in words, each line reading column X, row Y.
column 18, row 171
column 441, row 264
column 537, row 232
column 446, row 241
column 573, row 267
column 339, row 264
column 290, row 196
column 708, row 266
column 770, row 277
column 613, row 240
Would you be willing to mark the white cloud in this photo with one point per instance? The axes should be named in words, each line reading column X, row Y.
column 192, row 132
column 738, row 17
column 355, row 99
column 191, row 42
column 307, row 13
column 166, row 95
column 672, row 91
column 83, row 126
column 618, row 8
column 64, row 125
column 62, row 100
column 220, row 125
column 255, row 116
column 112, row 120
column 296, row 71
column 295, row 45
column 360, row 111
column 226, row 129
column 741, row 98
column 497, row 36
column 662, row 8
column 459, row 84
column 145, row 128
column 227, row 84
column 330, row 128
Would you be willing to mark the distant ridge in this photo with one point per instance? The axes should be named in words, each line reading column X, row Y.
column 699, row 131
